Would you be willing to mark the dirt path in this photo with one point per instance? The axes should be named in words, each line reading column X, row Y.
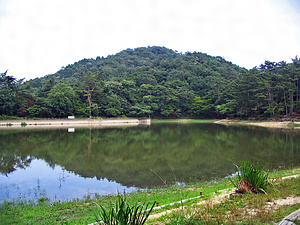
column 222, row 195
column 216, row 199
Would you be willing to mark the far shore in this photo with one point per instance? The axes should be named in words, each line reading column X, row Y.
column 232, row 122
column 267, row 124
column 57, row 123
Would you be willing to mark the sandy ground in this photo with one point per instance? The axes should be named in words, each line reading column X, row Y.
column 63, row 123
column 282, row 125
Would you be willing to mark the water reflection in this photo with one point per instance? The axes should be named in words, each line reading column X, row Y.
column 107, row 160
column 39, row 180
column 70, row 130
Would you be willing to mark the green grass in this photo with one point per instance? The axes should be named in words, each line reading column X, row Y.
column 293, row 125
column 81, row 211
column 181, row 121
column 5, row 117
column 247, row 209
column 284, row 172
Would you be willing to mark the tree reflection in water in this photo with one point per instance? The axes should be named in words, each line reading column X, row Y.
column 133, row 156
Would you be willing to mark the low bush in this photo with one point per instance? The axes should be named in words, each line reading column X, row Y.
column 254, row 174
column 123, row 213
column 5, row 117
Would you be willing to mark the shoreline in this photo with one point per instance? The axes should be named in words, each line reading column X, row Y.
column 64, row 123
column 266, row 124
column 79, row 211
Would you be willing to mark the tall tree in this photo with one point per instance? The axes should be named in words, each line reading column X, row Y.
column 63, row 100
column 8, row 92
column 91, row 84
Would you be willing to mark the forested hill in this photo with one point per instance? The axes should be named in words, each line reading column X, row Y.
column 160, row 83
column 157, row 64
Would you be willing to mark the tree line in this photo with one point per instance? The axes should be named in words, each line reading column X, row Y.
column 156, row 82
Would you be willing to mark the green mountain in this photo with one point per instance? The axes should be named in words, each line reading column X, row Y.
column 157, row 63
column 157, row 82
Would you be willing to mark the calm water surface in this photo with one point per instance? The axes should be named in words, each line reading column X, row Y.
column 63, row 165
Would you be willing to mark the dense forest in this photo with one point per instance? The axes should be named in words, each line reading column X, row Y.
column 157, row 82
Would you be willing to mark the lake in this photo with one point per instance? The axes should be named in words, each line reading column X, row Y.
column 63, row 164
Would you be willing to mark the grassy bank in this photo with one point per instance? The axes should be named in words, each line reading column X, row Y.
column 80, row 211
column 281, row 200
column 181, row 121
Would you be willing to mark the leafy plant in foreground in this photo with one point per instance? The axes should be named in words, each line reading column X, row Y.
column 254, row 174
column 123, row 213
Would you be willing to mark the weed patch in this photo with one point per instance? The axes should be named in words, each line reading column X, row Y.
column 252, row 173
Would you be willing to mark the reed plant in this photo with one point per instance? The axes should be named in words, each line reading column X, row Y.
column 254, row 174
column 123, row 213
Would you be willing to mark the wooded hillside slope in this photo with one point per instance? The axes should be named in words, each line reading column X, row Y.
column 160, row 83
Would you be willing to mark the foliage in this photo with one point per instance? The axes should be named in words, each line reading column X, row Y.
column 142, row 82
column 123, row 213
column 62, row 100
column 254, row 174
column 15, row 96
column 5, row 117
column 157, row 82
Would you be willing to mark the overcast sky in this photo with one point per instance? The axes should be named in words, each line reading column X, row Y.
column 38, row 37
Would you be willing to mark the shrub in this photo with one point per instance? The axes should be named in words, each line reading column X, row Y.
column 123, row 214
column 254, row 174
column 5, row 117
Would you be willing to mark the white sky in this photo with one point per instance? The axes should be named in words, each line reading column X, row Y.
column 38, row 37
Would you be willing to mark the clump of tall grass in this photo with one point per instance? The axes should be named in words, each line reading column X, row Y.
column 254, row 174
column 123, row 213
